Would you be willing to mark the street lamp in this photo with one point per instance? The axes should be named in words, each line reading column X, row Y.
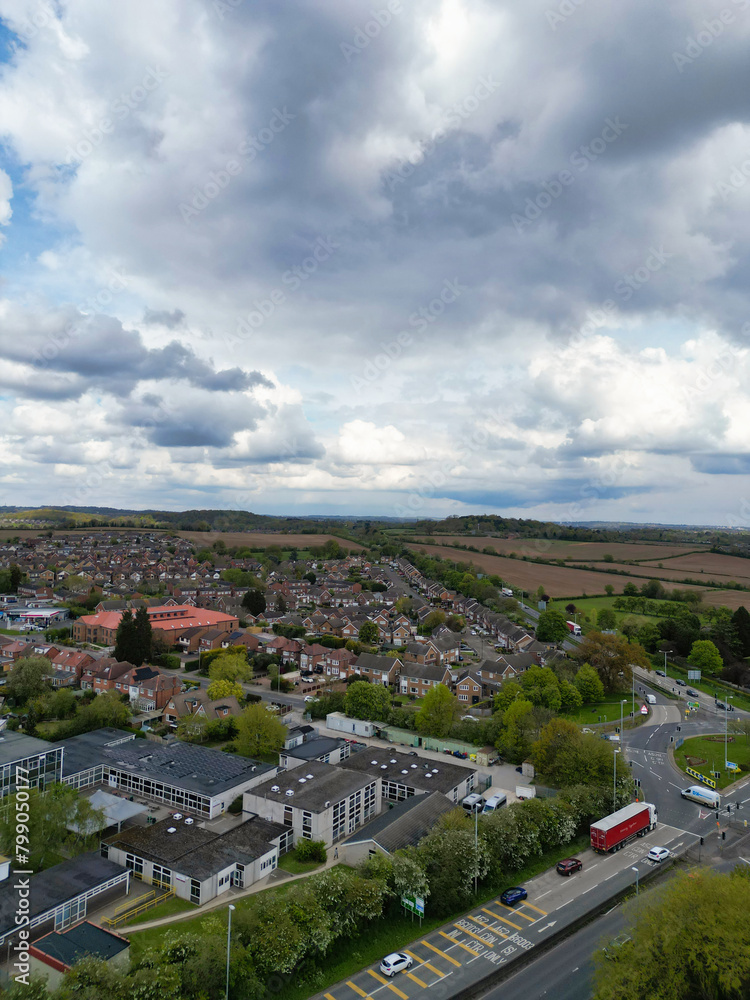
column 229, row 939
column 666, row 674
column 614, row 779
column 726, row 730
column 622, row 727
column 637, row 873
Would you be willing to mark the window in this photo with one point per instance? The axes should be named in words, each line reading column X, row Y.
column 162, row 876
column 195, row 891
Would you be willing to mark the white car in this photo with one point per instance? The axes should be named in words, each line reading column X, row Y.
column 658, row 854
column 396, row 962
column 310, row 697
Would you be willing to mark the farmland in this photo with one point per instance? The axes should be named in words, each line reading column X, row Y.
column 261, row 540
column 576, row 551
column 558, row 581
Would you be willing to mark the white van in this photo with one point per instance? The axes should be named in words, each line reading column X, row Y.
column 473, row 803
column 494, row 802
column 705, row 796
column 651, row 699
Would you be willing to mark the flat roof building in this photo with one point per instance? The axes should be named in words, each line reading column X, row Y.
column 405, row 774
column 41, row 760
column 56, row 953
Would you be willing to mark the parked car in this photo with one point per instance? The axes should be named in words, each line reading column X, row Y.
column 568, row 866
column 520, row 770
column 658, row 854
column 513, row 895
column 310, row 697
column 589, row 731
column 395, row 962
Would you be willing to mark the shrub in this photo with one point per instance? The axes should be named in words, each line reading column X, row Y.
column 310, row 850
column 236, row 806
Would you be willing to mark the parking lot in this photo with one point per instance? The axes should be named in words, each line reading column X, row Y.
column 463, row 952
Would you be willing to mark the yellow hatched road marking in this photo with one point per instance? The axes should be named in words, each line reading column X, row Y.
column 543, row 912
column 454, row 941
column 489, row 927
column 389, row 985
column 356, row 988
column 520, row 913
column 499, row 916
column 416, row 979
column 441, row 953
column 328, row 996
column 423, row 962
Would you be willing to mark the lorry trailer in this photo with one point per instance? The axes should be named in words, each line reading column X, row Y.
column 574, row 628
column 618, row 829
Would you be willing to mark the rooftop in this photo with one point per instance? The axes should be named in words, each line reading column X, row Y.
column 313, row 787
column 405, row 823
column 414, row 772
column 75, row 943
column 17, row 746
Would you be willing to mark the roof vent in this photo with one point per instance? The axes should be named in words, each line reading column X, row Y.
column 414, row 765
column 405, row 771
column 189, row 821
column 383, row 767
column 172, row 829
column 373, row 762
column 309, row 777
column 428, row 775
column 275, row 788
column 434, row 770
column 289, row 792
column 393, row 760
column 302, row 781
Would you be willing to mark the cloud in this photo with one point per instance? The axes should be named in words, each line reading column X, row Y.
column 161, row 317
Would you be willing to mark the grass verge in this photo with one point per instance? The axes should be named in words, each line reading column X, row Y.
column 712, row 751
column 290, row 864
column 604, row 711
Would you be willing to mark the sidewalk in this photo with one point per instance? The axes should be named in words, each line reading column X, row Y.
column 278, row 876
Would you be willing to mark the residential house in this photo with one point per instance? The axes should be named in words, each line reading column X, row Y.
column 418, row 678
column 378, row 669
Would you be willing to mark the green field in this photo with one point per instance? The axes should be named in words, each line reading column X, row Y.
column 588, row 604
column 290, row 864
column 713, row 753
column 604, row 711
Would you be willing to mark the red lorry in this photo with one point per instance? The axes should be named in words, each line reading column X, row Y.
column 615, row 831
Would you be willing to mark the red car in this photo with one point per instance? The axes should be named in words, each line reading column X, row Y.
column 569, row 865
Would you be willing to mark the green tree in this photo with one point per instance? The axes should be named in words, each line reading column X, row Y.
column 452, row 859
column 231, row 666
column 439, row 711
column 369, row 633
column 741, row 622
column 16, row 576
column 514, row 741
column 193, row 728
column 667, row 959
column 28, row 678
column 456, row 623
column 224, row 688
column 630, row 590
column 551, row 626
column 589, row 684
column 606, row 619
column 433, row 620
column 609, row 589
column 254, row 602
column 260, row 733
column 541, row 687
column 142, row 636
column 705, row 657
column 367, row 701
column 126, row 639
column 570, row 696
column 613, row 658
column 509, row 691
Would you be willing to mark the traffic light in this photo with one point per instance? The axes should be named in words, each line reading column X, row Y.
column 737, row 805
column 723, row 834
column 701, row 841
column 717, row 814
column 729, row 809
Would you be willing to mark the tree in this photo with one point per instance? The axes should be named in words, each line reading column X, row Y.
column 630, row 590
column 193, row 728
column 705, row 657
column 541, row 687
column 260, row 733
column 570, row 696
column 142, row 636
column 509, row 691
column 434, row 619
column 680, row 631
column 367, row 701
column 606, row 619
column 514, row 741
column 254, row 602
column 455, row 623
column 551, row 626
column 126, row 641
column 589, row 684
column 452, row 860
column 741, row 622
column 281, row 605
column 439, row 711
column 369, row 633
column 613, row 658
column 230, row 666
column 609, row 589
column 15, row 577
column 224, row 688
column 666, row 959
column 28, row 678
column 570, row 608
column 310, row 576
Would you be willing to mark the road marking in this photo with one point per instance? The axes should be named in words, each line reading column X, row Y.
column 425, row 963
column 473, row 935
column 417, row 980
column 499, row 916
column 547, row 892
column 454, row 941
column 328, row 996
column 543, row 912
column 389, row 985
column 525, row 915
column 490, row 927
column 442, row 953
column 356, row 988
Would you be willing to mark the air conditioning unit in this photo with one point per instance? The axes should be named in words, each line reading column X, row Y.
column 289, row 792
column 172, row 829
column 189, row 821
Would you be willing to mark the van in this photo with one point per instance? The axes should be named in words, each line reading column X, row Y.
column 704, row 796
column 651, row 699
column 473, row 803
column 494, row 802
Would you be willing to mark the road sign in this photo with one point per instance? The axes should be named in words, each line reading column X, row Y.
column 415, row 904
column 701, row 777
column 694, row 675
column 644, row 710
column 731, row 766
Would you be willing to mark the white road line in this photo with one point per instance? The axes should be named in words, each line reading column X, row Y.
column 673, row 784
column 564, row 904
column 544, row 894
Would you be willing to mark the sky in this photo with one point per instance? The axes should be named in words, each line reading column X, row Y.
column 409, row 259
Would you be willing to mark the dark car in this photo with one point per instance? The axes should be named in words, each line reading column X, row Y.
column 520, row 770
column 513, row 895
column 568, row 866
column 681, row 683
column 691, row 692
column 661, row 673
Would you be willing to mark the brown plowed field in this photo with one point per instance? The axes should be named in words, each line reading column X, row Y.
column 258, row 539
column 558, row 581
column 667, row 572
column 713, row 564
column 728, row 598
column 567, row 550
